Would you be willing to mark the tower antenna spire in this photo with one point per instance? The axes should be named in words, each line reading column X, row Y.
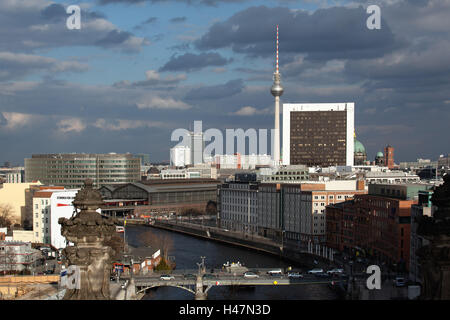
column 277, row 49
column 277, row 91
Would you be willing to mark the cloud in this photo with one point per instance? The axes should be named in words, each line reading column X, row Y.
column 193, row 62
column 250, row 111
column 155, row 102
column 326, row 34
column 123, row 124
column 33, row 25
column 153, row 78
column 213, row 3
column 71, row 125
column 178, row 19
column 18, row 65
column 228, row 89
column 17, row 120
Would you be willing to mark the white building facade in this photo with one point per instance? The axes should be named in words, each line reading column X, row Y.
column 180, row 156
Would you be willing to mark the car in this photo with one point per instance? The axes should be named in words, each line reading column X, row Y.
column 316, row 270
column 399, row 282
column 275, row 272
column 167, row 277
column 335, row 270
column 322, row 275
column 295, row 275
column 250, row 275
column 190, row 276
column 209, row 276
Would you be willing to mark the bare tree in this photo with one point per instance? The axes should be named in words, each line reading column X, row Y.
column 161, row 241
column 6, row 215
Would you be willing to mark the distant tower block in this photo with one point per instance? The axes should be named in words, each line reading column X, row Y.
column 277, row 91
column 389, row 156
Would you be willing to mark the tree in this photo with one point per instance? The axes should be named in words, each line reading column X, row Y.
column 160, row 241
column 6, row 215
column 211, row 208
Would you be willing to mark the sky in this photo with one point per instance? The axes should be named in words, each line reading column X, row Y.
column 139, row 69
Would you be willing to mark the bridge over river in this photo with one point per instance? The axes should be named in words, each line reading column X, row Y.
column 199, row 282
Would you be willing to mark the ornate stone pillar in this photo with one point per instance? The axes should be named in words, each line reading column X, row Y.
column 434, row 258
column 88, row 231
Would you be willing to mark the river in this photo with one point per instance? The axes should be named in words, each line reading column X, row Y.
column 187, row 251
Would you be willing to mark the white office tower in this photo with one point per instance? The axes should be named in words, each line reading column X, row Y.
column 277, row 91
column 180, row 156
column 197, row 147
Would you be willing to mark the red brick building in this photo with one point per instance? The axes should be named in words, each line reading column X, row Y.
column 389, row 157
column 373, row 225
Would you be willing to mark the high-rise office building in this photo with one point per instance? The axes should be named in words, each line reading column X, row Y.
column 197, row 146
column 180, row 156
column 318, row 134
column 145, row 158
column 71, row 170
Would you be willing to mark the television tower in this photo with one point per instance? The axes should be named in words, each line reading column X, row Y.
column 277, row 91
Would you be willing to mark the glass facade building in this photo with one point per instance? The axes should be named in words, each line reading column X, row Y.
column 71, row 170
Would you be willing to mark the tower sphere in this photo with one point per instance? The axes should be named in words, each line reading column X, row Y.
column 277, row 90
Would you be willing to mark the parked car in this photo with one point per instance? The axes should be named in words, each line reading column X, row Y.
column 322, row 275
column 316, row 270
column 335, row 270
column 167, row 277
column 295, row 275
column 209, row 276
column 250, row 275
column 190, row 276
column 399, row 282
column 275, row 272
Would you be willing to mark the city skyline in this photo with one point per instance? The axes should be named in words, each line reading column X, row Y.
column 137, row 70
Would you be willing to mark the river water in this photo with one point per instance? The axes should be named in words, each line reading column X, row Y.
column 187, row 251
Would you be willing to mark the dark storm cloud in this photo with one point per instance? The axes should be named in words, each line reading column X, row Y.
column 203, row 2
column 191, row 62
column 54, row 11
column 37, row 25
column 332, row 33
column 228, row 89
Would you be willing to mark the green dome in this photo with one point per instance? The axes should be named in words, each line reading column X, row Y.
column 380, row 154
column 359, row 147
